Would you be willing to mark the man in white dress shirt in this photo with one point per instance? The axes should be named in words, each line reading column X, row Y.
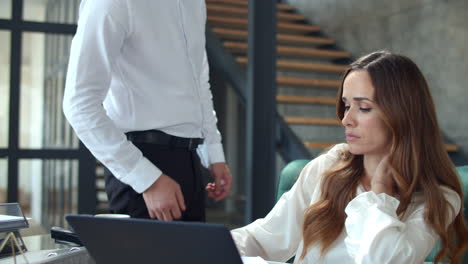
column 137, row 95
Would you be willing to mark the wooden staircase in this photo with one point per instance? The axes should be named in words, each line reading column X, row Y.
column 307, row 72
column 308, row 69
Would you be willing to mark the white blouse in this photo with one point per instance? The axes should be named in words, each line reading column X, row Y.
column 373, row 232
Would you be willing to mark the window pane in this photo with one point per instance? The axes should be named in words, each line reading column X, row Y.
column 48, row 189
column 53, row 11
column 3, row 180
column 43, row 69
column 4, row 86
column 5, row 9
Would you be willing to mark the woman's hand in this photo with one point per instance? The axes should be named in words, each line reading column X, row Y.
column 382, row 181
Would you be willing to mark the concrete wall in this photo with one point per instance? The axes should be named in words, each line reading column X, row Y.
column 434, row 33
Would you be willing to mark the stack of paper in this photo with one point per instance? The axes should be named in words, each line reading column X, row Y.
column 10, row 222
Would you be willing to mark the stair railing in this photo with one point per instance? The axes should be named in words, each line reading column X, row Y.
column 289, row 145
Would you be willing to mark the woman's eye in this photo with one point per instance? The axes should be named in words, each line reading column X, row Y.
column 346, row 108
column 365, row 109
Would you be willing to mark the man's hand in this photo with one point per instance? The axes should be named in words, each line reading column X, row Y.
column 164, row 199
column 223, row 179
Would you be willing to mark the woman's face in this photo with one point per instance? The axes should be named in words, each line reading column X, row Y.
column 366, row 132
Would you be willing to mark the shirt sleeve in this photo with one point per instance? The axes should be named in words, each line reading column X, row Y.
column 277, row 236
column 102, row 29
column 375, row 234
column 211, row 151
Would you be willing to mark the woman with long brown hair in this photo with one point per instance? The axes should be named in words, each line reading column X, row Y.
column 387, row 196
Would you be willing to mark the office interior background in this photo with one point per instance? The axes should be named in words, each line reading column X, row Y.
column 43, row 164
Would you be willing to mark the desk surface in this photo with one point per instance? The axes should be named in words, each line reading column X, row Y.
column 43, row 249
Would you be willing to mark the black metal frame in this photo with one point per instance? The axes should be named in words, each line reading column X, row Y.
column 289, row 145
column 87, row 164
column 261, row 109
column 266, row 130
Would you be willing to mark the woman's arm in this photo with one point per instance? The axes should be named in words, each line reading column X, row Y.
column 277, row 236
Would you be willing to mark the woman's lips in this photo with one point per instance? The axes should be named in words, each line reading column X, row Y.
column 351, row 137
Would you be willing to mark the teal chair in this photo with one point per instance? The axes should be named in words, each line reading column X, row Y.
column 291, row 171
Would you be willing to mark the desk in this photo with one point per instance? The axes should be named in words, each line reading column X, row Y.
column 43, row 249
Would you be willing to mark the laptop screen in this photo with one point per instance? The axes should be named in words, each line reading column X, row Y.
column 129, row 240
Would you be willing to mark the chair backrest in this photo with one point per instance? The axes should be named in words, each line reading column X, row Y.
column 291, row 171
column 288, row 176
column 463, row 173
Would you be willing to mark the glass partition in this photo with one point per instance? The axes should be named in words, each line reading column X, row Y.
column 52, row 11
column 43, row 70
column 48, row 189
column 3, row 180
column 46, row 182
column 4, row 86
column 5, row 9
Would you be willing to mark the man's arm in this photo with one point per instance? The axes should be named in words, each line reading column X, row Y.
column 102, row 29
column 211, row 152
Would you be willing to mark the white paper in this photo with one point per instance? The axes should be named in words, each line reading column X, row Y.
column 253, row 260
column 8, row 218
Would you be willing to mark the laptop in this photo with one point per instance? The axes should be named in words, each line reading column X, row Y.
column 130, row 240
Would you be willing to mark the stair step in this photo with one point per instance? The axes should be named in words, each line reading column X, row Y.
column 451, row 147
column 308, row 144
column 295, row 99
column 241, row 47
column 279, row 6
column 300, row 120
column 243, row 22
column 306, row 82
column 244, row 12
column 314, row 53
column 285, row 7
column 290, row 16
column 301, row 66
column 236, row 34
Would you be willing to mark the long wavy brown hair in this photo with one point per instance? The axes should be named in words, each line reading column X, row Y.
column 418, row 159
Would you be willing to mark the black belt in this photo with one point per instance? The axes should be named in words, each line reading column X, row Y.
column 160, row 138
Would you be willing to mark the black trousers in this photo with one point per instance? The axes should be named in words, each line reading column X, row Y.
column 182, row 165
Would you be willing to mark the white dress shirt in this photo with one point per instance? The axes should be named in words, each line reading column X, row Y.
column 373, row 233
column 140, row 65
